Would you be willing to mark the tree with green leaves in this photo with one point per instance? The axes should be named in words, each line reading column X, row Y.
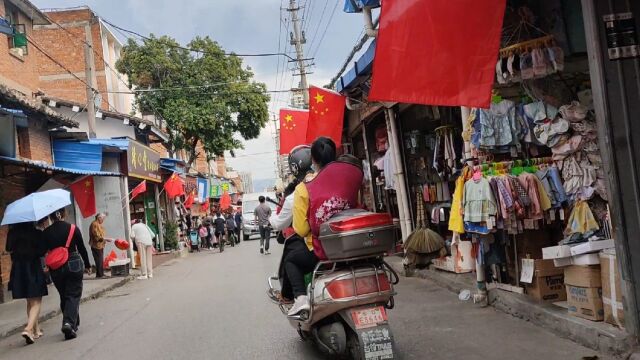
column 204, row 95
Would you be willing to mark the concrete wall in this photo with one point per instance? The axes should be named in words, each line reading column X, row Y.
column 105, row 128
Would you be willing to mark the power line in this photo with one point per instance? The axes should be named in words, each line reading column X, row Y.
column 324, row 9
column 326, row 28
column 198, row 50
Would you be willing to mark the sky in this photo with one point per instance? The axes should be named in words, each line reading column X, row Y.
column 243, row 26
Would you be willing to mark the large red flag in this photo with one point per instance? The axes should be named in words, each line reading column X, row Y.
column 293, row 129
column 142, row 187
column 326, row 114
column 205, row 206
column 437, row 52
column 225, row 201
column 174, row 186
column 84, row 194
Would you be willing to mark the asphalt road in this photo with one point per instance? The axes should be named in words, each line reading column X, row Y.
column 213, row 306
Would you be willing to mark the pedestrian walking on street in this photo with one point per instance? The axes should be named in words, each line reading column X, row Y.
column 97, row 242
column 143, row 236
column 231, row 229
column 262, row 213
column 219, row 225
column 68, row 278
column 27, row 279
column 203, row 233
column 238, row 219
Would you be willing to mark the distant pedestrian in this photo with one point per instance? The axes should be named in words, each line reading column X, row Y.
column 231, row 229
column 203, row 233
column 68, row 278
column 262, row 213
column 97, row 242
column 219, row 226
column 27, row 279
column 143, row 236
column 238, row 219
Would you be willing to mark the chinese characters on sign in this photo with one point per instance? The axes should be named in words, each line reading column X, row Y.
column 143, row 162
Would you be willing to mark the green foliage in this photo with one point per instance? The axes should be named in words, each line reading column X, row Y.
column 171, row 235
column 207, row 96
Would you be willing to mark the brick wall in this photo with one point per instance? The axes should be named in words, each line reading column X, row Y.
column 221, row 164
column 19, row 73
column 39, row 141
column 68, row 48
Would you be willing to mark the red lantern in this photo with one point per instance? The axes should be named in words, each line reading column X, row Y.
column 122, row 244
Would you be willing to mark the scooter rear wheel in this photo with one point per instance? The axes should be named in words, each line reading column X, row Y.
column 355, row 348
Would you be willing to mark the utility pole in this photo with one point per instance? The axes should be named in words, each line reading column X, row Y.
column 89, row 75
column 277, row 140
column 298, row 39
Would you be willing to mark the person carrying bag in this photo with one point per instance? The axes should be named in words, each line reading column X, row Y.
column 66, row 260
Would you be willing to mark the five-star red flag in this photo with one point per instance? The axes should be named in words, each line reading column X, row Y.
column 84, row 194
column 326, row 115
column 142, row 187
column 437, row 52
column 225, row 201
column 174, row 186
column 189, row 202
column 293, row 129
column 205, row 205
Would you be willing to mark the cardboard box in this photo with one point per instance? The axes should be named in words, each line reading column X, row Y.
column 585, row 302
column 583, row 276
column 584, row 259
column 460, row 260
column 592, row 246
column 556, row 252
column 611, row 289
column 548, row 282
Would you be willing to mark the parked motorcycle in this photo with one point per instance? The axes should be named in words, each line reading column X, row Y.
column 351, row 291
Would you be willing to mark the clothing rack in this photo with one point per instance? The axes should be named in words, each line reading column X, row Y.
column 525, row 45
column 510, row 163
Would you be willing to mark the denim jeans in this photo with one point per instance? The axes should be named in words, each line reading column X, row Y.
column 265, row 235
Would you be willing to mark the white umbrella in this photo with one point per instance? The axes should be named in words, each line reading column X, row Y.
column 36, row 206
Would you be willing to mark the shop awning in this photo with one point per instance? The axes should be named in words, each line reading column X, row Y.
column 57, row 169
column 171, row 165
column 11, row 99
column 359, row 72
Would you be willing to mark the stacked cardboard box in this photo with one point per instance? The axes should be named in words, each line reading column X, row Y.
column 611, row 289
column 584, row 291
column 548, row 282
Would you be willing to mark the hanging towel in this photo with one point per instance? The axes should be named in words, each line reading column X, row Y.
column 456, row 224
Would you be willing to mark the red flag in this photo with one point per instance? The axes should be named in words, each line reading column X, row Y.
column 437, row 52
column 174, row 186
column 205, row 205
column 326, row 115
column 293, row 129
column 189, row 202
column 225, row 201
column 84, row 194
column 142, row 187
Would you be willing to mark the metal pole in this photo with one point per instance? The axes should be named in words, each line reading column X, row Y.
column 89, row 64
column 368, row 159
column 124, row 190
column 160, row 224
column 403, row 199
column 297, row 40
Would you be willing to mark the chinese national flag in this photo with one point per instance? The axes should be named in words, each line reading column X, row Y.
column 189, row 202
column 205, row 205
column 293, row 129
column 84, row 194
column 142, row 187
column 326, row 115
column 174, row 186
column 437, row 52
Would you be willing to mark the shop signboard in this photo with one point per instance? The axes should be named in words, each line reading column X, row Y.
column 143, row 162
column 202, row 190
column 191, row 185
column 216, row 190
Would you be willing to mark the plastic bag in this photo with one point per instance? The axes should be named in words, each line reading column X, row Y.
column 110, row 258
column 581, row 219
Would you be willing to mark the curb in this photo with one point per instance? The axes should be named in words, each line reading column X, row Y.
column 53, row 313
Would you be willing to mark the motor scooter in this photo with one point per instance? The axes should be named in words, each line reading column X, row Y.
column 351, row 291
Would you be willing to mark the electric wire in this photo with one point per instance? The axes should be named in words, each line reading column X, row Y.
column 325, row 29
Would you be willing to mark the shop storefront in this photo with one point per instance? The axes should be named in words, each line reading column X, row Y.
column 143, row 165
column 531, row 189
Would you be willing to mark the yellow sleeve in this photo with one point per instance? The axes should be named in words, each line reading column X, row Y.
column 301, row 210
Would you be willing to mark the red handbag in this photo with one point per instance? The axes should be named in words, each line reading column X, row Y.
column 57, row 257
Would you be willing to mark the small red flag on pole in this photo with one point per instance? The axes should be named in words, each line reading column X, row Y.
column 84, row 194
column 189, row 202
column 293, row 129
column 174, row 186
column 142, row 187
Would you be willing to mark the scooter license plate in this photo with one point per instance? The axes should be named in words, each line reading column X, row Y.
column 370, row 317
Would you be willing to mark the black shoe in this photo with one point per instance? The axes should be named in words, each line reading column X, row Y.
column 68, row 331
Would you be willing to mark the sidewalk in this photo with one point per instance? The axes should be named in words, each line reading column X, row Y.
column 13, row 314
column 598, row 336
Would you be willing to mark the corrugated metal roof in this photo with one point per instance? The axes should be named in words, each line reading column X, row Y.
column 359, row 72
column 45, row 166
column 77, row 155
column 122, row 144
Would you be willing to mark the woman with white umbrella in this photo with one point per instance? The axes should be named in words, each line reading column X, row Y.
column 27, row 279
